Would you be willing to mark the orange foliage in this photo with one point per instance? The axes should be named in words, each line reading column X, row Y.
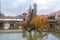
column 40, row 22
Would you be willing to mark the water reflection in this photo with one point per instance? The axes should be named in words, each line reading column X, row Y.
column 30, row 36
column 34, row 35
column 50, row 37
column 24, row 33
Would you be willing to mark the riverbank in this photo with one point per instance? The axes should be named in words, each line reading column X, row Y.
column 20, row 31
column 11, row 31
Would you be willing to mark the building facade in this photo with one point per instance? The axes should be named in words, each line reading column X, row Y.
column 57, row 16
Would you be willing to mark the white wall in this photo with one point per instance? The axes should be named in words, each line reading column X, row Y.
column 57, row 16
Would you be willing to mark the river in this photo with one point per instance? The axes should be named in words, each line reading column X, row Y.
column 34, row 35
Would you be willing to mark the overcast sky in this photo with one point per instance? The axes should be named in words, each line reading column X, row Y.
column 17, row 7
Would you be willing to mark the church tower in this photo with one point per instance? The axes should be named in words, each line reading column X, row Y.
column 34, row 10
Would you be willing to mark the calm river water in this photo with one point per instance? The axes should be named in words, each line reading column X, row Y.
column 34, row 35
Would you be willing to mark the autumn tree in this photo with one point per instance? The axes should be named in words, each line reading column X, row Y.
column 40, row 23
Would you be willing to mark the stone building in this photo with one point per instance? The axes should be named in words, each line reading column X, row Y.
column 57, row 16
column 54, row 15
column 24, row 19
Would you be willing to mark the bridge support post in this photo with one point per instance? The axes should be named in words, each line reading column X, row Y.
column 1, row 25
column 11, row 25
column 16, row 26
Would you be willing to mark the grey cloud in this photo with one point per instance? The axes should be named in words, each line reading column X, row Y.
column 7, row 7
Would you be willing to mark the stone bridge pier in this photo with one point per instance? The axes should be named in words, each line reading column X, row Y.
column 1, row 25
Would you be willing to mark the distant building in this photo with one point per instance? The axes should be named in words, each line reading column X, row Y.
column 34, row 10
column 54, row 15
column 24, row 19
column 57, row 16
column 1, row 15
column 51, row 15
column 24, row 16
